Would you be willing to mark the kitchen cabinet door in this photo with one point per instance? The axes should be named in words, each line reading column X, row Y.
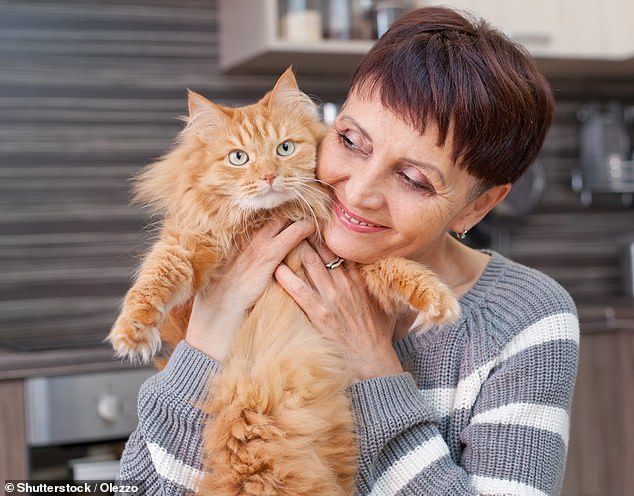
column 560, row 29
column 13, row 454
column 619, row 32
column 566, row 29
column 601, row 450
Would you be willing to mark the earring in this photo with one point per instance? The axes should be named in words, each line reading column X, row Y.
column 463, row 234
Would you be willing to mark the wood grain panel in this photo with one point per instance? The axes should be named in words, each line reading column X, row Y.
column 600, row 455
column 91, row 91
column 13, row 455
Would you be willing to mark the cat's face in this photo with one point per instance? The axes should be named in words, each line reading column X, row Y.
column 258, row 162
column 259, row 156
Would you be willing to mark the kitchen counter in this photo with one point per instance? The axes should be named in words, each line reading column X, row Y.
column 23, row 364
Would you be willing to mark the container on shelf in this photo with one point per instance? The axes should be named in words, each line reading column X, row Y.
column 301, row 20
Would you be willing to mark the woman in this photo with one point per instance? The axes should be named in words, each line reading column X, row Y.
column 443, row 115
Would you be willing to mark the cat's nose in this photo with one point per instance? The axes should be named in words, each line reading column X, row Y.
column 269, row 178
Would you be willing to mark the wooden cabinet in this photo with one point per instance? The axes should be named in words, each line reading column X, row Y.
column 618, row 16
column 13, row 454
column 601, row 451
column 567, row 29
column 577, row 32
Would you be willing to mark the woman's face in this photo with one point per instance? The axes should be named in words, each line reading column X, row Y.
column 396, row 192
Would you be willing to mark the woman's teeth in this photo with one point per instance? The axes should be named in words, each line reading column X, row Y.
column 358, row 222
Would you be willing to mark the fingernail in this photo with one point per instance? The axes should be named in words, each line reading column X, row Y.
column 280, row 269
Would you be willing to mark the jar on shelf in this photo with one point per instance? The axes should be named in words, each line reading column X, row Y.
column 338, row 19
column 300, row 20
column 386, row 12
column 362, row 19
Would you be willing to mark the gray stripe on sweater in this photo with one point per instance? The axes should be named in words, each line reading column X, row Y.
column 533, row 467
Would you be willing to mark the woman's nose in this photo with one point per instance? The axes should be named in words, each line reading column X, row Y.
column 365, row 188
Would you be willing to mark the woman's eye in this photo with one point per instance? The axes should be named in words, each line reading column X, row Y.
column 285, row 148
column 417, row 184
column 238, row 157
column 347, row 142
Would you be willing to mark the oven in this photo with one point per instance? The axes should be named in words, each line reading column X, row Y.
column 77, row 425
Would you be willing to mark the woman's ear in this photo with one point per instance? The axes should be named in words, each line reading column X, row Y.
column 480, row 206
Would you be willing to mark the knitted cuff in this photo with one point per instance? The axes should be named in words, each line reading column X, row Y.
column 388, row 405
column 187, row 372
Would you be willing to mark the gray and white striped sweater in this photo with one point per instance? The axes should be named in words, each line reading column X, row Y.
column 482, row 409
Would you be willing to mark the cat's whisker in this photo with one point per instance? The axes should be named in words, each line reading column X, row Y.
column 226, row 221
column 313, row 193
column 315, row 180
column 300, row 202
column 235, row 220
column 245, row 224
column 316, row 198
column 303, row 202
column 239, row 222
column 307, row 184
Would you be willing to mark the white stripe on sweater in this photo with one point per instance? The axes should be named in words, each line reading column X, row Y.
column 174, row 470
column 409, row 466
column 544, row 417
column 558, row 327
column 491, row 486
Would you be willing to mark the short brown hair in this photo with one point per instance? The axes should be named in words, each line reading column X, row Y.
column 436, row 65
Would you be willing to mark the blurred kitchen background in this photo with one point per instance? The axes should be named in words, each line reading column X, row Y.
column 90, row 91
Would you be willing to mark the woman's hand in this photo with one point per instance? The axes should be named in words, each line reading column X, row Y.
column 340, row 307
column 218, row 310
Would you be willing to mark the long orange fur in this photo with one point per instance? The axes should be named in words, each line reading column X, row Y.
column 280, row 422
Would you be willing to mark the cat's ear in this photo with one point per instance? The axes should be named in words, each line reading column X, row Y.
column 286, row 92
column 202, row 109
column 286, row 85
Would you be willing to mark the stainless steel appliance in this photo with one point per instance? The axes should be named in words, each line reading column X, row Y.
column 76, row 424
column 606, row 161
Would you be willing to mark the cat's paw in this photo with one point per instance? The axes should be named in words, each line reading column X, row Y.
column 439, row 306
column 136, row 338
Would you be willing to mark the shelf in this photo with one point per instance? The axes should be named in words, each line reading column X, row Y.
column 251, row 44
column 328, row 57
column 561, row 68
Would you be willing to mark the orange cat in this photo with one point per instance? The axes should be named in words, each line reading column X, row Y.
column 280, row 422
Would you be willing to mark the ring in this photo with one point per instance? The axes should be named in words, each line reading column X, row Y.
column 333, row 264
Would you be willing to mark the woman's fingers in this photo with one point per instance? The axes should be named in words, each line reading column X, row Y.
column 292, row 235
column 321, row 248
column 339, row 306
column 219, row 309
column 326, row 291
column 276, row 239
column 303, row 294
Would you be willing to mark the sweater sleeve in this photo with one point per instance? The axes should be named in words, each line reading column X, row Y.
column 515, row 412
column 164, row 453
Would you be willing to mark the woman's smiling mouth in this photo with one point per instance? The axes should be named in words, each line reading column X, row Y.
column 353, row 222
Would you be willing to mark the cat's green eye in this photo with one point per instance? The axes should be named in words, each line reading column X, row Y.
column 238, row 157
column 285, row 148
